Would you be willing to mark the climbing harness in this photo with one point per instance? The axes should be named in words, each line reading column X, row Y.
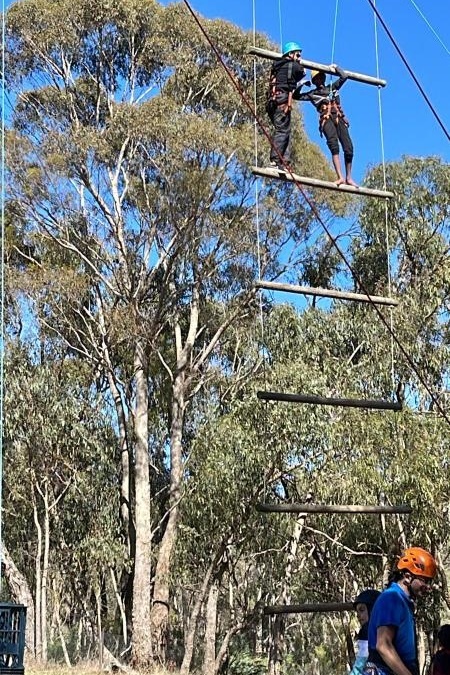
column 277, row 97
column 331, row 109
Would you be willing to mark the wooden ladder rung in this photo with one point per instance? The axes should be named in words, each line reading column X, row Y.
column 279, row 174
column 326, row 68
column 373, row 404
column 333, row 508
column 309, row 607
column 326, row 293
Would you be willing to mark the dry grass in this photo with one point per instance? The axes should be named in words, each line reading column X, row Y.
column 85, row 669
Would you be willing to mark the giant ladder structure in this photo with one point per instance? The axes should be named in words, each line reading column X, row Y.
column 303, row 509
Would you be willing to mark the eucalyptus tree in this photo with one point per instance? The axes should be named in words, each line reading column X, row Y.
column 326, row 455
column 127, row 160
column 59, row 485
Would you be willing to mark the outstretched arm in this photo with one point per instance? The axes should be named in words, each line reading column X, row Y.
column 304, row 82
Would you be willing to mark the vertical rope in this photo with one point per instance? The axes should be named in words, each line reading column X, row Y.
column 280, row 25
column 2, row 284
column 336, row 10
column 258, row 228
column 386, row 212
column 255, row 137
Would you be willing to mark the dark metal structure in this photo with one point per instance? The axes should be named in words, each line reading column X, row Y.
column 12, row 638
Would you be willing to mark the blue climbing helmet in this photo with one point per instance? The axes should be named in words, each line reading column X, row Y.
column 291, row 47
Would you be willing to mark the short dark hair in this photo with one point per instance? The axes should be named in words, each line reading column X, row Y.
column 444, row 635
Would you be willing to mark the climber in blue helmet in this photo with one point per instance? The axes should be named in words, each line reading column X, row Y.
column 286, row 78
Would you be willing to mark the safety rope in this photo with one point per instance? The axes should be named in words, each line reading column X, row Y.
column 410, row 70
column 386, row 210
column 258, row 228
column 249, row 105
column 2, row 283
column 435, row 33
column 336, row 11
column 280, row 25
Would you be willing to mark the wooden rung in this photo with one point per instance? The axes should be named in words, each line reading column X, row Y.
column 309, row 607
column 320, row 400
column 358, row 77
column 273, row 172
column 333, row 508
column 326, row 293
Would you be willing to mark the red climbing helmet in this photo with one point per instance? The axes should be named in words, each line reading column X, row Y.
column 419, row 562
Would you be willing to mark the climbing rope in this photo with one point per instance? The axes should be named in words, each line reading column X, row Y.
column 257, row 221
column 386, row 210
column 280, row 25
column 430, row 26
column 2, row 282
column 336, row 11
column 410, row 70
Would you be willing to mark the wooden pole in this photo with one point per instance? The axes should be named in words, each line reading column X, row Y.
column 358, row 77
column 372, row 404
column 269, row 172
column 326, row 293
column 309, row 607
column 333, row 508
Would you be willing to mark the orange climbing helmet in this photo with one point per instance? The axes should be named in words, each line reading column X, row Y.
column 419, row 562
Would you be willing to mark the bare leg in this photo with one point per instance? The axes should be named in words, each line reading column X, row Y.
column 348, row 175
column 337, row 167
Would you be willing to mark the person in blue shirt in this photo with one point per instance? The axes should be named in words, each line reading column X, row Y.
column 392, row 633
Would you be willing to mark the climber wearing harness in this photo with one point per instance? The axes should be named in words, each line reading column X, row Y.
column 286, row 78
column 332, row 122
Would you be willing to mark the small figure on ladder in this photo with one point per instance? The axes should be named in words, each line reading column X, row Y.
column 286, row 78
column 333, row 123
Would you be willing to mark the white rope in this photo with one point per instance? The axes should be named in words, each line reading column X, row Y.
column 258, row 227
column 2, row 281
column 386, row 213
column 255, row 136
column 336, row 10
column 430, row 26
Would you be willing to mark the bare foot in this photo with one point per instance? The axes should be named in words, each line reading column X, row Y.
column 350, row 181
column 339, row 181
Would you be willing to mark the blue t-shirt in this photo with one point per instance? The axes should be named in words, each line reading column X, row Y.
column 394, row 608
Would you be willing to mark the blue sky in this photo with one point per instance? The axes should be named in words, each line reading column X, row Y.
column 409, row 127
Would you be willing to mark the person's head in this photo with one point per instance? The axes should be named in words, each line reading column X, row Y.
column 292, row 50
column 444, row 636
column 418, row 569
column 363, row 604
column 318, row 77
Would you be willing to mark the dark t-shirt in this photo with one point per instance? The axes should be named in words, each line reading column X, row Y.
column 288, row 73
column 441, row 663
